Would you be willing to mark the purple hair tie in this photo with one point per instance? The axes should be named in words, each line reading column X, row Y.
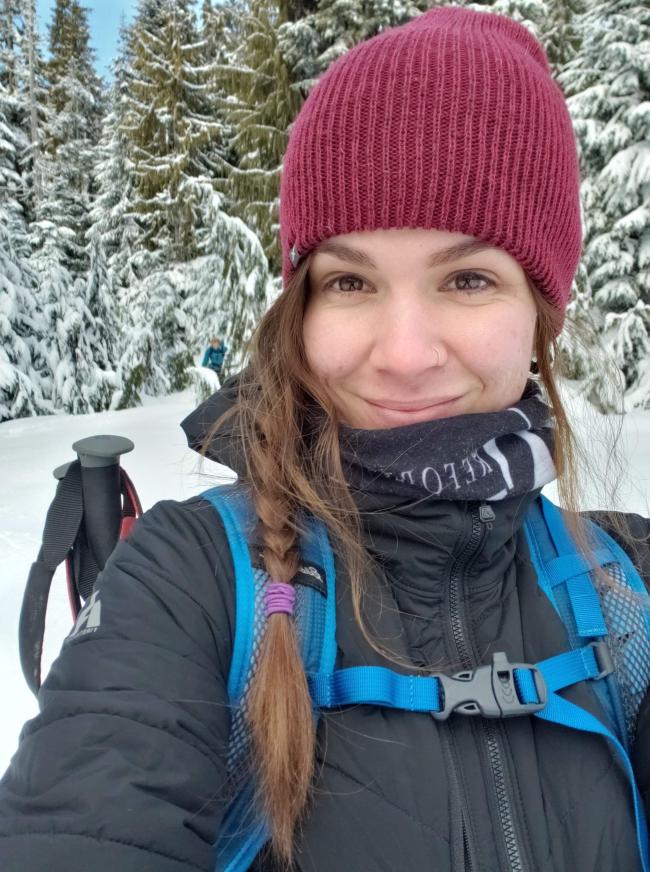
column 279, row 597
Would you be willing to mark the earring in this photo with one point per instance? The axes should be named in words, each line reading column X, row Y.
column 534, row 366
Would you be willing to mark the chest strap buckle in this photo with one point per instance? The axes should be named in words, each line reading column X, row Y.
column 491, row 690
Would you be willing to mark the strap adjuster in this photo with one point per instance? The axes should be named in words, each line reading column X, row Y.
column 489, row 690
column 603, row 658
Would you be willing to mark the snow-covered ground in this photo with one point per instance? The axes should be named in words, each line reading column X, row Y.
column 162, row 467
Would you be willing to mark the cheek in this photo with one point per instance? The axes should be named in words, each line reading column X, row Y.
column 504, row 354
column 329, row 345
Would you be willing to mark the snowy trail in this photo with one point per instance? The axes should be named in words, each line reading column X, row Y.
column 162, row 467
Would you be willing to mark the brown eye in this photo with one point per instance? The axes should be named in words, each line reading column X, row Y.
column 351, row 283
column 470, row 282
column 346, row 284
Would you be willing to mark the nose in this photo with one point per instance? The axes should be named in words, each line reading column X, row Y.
column 409, row 337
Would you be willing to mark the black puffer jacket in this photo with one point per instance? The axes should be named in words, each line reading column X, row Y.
column 124, row 768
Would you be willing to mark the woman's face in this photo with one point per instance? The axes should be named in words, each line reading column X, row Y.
column 409, row 325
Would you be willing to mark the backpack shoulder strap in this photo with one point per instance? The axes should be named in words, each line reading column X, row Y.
column 244, row 832
column 617, row 612
column 616, row 615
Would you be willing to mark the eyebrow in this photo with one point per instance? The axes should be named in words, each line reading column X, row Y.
column 447, row 255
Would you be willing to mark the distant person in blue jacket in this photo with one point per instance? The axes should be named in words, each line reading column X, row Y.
column 214, row 355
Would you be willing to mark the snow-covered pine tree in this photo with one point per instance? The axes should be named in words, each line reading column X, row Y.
column 156, row 354
column 533, row 14
column 261, row 105
column 173, row 134
column 608, row 85
column 229, row 286
column 169, row 126
column 310, row 42
column 22, row 371
column 559, row 34
column 76, row 102
column 113, row 233
column 222, row 29
column 174, row 312
column 74, row 343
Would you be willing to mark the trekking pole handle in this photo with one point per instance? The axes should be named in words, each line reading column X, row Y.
column 99, row 457
column 97, row 451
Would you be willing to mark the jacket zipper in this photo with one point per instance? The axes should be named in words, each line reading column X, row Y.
column 466, row 861
column 469, row 866
column 464, row 654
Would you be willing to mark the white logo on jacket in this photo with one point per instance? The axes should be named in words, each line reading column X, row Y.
column 89, row 617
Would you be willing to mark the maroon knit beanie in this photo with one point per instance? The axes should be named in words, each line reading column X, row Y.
column 450, row 122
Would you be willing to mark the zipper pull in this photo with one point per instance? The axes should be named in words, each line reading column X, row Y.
column 486, row 514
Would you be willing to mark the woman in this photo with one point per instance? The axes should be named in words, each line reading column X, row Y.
column 430, row 231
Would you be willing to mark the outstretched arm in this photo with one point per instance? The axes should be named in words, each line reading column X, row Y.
column 124, row 768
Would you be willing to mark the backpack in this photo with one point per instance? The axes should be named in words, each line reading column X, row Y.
column 608, row 628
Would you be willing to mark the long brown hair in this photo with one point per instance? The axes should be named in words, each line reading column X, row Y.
column 289, row 432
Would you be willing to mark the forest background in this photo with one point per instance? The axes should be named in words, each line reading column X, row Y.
column 139, row 216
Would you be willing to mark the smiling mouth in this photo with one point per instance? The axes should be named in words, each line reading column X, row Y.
column 419, row 406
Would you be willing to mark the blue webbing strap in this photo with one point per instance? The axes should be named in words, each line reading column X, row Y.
column 242, row 833
column 375, row 685
column 583, row 596
column 315, row 547
column 560, row 711
column 559, row 672
column 247, row 833
column 632, row 577
column 234, row 508
column 562, row 568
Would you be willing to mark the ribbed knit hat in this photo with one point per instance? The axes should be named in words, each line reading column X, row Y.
column 450, row 122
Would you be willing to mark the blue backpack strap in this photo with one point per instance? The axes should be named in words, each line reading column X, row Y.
column 588, row 612
column 559, row 672
column 244, row 832
column 490, row 690
column 564, row 566
column 565, row 577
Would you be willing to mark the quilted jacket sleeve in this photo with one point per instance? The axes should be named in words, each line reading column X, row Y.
column 124, row 767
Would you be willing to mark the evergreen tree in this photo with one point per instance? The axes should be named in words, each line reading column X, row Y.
column 608, row 84
column 262, row 105
column 21, row 74
column 113, row 232
column 230, row 283
column 75, row 341
column 533, row 14
column 76, row 104
column 560, row 36
column 156, row 355
column 22, row 370
column 223, row 291
column 75, row 346
column 172, row 139
column 310, row 42
column 169, row 128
